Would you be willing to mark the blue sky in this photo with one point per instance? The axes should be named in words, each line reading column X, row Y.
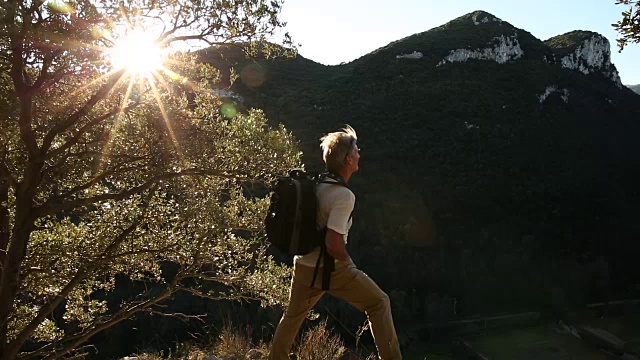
column 332, row 31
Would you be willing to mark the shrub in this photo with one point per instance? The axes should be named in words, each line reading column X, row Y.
column 232, row 343
column 319, row 343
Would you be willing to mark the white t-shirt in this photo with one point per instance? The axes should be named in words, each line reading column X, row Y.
column 335, row 205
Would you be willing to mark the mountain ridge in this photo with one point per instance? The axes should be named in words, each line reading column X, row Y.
column 493, row 39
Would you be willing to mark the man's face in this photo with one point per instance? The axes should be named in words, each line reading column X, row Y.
column 353, row 159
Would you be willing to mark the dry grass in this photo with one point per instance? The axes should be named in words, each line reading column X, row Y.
column 146, row 356
column 233, row 344
column 318, row 343
column 189, row 351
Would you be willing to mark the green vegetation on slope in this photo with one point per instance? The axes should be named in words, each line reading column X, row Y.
column 472, row 181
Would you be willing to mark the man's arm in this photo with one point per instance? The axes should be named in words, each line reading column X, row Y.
column 336, row 246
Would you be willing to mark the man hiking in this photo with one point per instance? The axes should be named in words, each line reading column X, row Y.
column 341, row 156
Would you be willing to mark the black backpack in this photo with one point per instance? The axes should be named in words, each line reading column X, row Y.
column 291, row 219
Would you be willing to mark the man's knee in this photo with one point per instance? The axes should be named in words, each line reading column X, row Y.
column 380, row 303
column 384, row 298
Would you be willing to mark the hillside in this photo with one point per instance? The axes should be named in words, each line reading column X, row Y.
column 491, row 160
column 635, row 88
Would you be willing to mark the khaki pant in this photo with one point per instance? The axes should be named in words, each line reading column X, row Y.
column 349, row 284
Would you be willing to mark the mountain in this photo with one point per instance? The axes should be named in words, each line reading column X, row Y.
column 635, row 88
column 499, row 172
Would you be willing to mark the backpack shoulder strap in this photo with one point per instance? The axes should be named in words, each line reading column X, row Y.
column 328, row 261
column 338, row 179
column 328, row 266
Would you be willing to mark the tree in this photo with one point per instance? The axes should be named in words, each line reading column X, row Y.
column 629, row 26
column 109, row 170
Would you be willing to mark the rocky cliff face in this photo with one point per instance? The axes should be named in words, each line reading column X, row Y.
column 586, row 52
column 500, row 49
column 506, row 48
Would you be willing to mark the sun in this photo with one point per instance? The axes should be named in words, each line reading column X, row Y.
column 137, row 52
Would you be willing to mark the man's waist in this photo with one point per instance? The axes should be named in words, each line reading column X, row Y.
column 339, row 263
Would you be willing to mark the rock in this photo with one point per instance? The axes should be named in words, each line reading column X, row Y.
column 601, row 338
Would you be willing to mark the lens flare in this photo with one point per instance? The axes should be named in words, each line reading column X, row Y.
column 253, row 75
column 138, row 52
column 229, row 111
column 56, row 6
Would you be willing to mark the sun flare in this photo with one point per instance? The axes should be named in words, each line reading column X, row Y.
column 137, row 52
column 146, row 62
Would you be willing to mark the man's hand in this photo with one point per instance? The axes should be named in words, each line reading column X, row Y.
column 336, row 246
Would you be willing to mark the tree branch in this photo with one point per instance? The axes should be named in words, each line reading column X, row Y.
column 97, row 179
column 128, row 253
column 175, row 28
column 176, row 315
column 84, row 110
column 17, row 76
column 6, row 173
column 55, row 170
column 50, row 207
column 84, row 129
column 203, row 295
column 74, row 341
column 44, row 72
column 80, row 275
column 46, row 309
column 194, row 37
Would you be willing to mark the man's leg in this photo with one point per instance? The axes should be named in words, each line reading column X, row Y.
column 354, row 286
column 301, row 299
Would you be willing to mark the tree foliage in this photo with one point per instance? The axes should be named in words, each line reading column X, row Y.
column 629, row 26
column 105, row 172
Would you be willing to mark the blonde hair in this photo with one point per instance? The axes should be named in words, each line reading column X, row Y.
column 336, row 146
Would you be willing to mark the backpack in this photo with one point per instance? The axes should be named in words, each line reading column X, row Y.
column 291, row 219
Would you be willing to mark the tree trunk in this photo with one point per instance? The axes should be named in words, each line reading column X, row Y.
column 4, row 243
column 11, row 280
column 4, row 220
column 16, row 252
